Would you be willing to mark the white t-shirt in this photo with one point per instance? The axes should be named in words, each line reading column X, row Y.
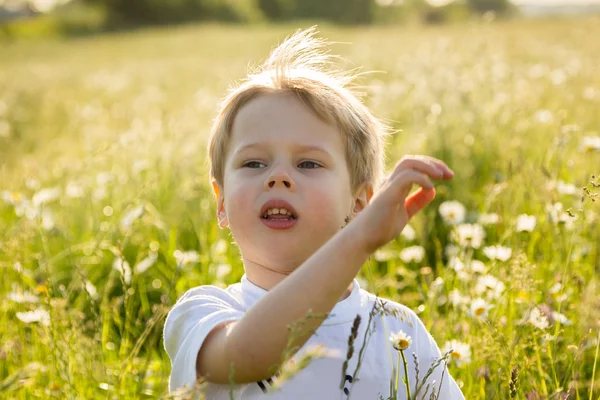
column 201, row 309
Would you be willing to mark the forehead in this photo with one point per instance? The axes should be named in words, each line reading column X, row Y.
column 282, row 119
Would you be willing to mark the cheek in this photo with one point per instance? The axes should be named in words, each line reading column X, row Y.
column 327, row 207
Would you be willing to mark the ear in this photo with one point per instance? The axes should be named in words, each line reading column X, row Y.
column 362, row 197
column 221, row 214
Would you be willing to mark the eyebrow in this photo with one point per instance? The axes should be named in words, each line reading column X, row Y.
column 300, row 147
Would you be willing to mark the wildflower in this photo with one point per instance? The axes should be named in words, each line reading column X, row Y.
column 47, row 219
column 412, row 254
column 385, row 255
column 222, row 270
column 497, row 252
column 457, row 265
column 456, row 299
column 400, row 340
column 131, row 216
column 477, row 266
column 479, row 308
column 590, row 143
column 74, row 190
column 408, row 233
column 469, row 235
column 453, row 212
column 538, row 319
column 489, row 284
column 38, row 315
column 488, row 219
column 556, row 316
column 544, row 116
column 460, row 352
column 25, row 297
column 186, row 258
column 525, row 223
column 103, row 178
column 563, row 187
column 45, row 196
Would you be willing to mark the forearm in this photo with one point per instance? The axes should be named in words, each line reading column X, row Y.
column 257, row 342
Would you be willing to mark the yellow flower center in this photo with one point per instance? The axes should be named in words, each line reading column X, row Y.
column 403, row 344
column 479, row 311
column 456, row 355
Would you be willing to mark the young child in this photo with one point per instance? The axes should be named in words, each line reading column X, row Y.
column 295, row 160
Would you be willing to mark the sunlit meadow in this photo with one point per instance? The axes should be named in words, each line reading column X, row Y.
column 107, row 217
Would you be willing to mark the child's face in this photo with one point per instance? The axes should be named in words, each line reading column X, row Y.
column 269, row 158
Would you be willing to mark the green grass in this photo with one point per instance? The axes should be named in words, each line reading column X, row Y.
column 118, row 124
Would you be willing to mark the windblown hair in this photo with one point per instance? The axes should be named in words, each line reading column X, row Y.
column 302, row 66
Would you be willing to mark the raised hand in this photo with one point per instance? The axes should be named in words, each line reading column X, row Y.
column 391, row 208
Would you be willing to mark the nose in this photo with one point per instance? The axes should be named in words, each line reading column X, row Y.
column 280, row 178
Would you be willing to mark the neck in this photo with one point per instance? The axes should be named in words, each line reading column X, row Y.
column 267, row 277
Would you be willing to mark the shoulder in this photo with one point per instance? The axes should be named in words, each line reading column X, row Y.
column 211, row 293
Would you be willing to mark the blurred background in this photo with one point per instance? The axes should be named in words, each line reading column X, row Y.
column 68, row 17
column 107, row 216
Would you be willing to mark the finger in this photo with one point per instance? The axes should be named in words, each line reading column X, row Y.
column 433, row 167
column 418, row 200
column 406, row 179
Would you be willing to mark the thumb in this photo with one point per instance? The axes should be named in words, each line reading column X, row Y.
column 418, row 200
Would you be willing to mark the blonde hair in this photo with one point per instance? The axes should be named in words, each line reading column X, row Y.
column 302, row 65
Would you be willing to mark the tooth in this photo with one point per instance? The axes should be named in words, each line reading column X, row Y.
column 270, row 211
column 276, row 211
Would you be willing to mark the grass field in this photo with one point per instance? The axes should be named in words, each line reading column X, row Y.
column 106, row 214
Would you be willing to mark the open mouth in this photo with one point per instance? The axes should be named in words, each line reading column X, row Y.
column 278, row 214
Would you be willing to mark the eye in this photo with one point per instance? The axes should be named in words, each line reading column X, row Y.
column 309, row 165
column 253, row 164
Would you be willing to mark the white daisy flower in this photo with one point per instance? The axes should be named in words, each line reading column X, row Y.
column 477, row 267
column 74, row 190
column 488, row 219
column 468, row 235
column 453, row 212
column 457, row 299
column 461, row 352
column 556, row 316
column 497, row 252
column 400, row 340
column 45, row 196
column 38, row 315
column 479, row 308
column 563, row 187
column 385, row 254
column 408, row 233
column 186, row 258
column 525, row 223
column 590, row 143
column 538, row 319
column 412, row 254
column 25, row 297
column 490, row 285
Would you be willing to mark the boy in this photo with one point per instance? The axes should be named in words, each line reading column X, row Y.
column 295, row 157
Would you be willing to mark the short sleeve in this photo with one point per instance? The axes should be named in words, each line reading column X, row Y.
column 188, row 324
column 428, row 353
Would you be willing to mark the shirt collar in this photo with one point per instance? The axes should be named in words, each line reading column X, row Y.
column 344, row 311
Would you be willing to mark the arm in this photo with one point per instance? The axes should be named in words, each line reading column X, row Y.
column 256, row 343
